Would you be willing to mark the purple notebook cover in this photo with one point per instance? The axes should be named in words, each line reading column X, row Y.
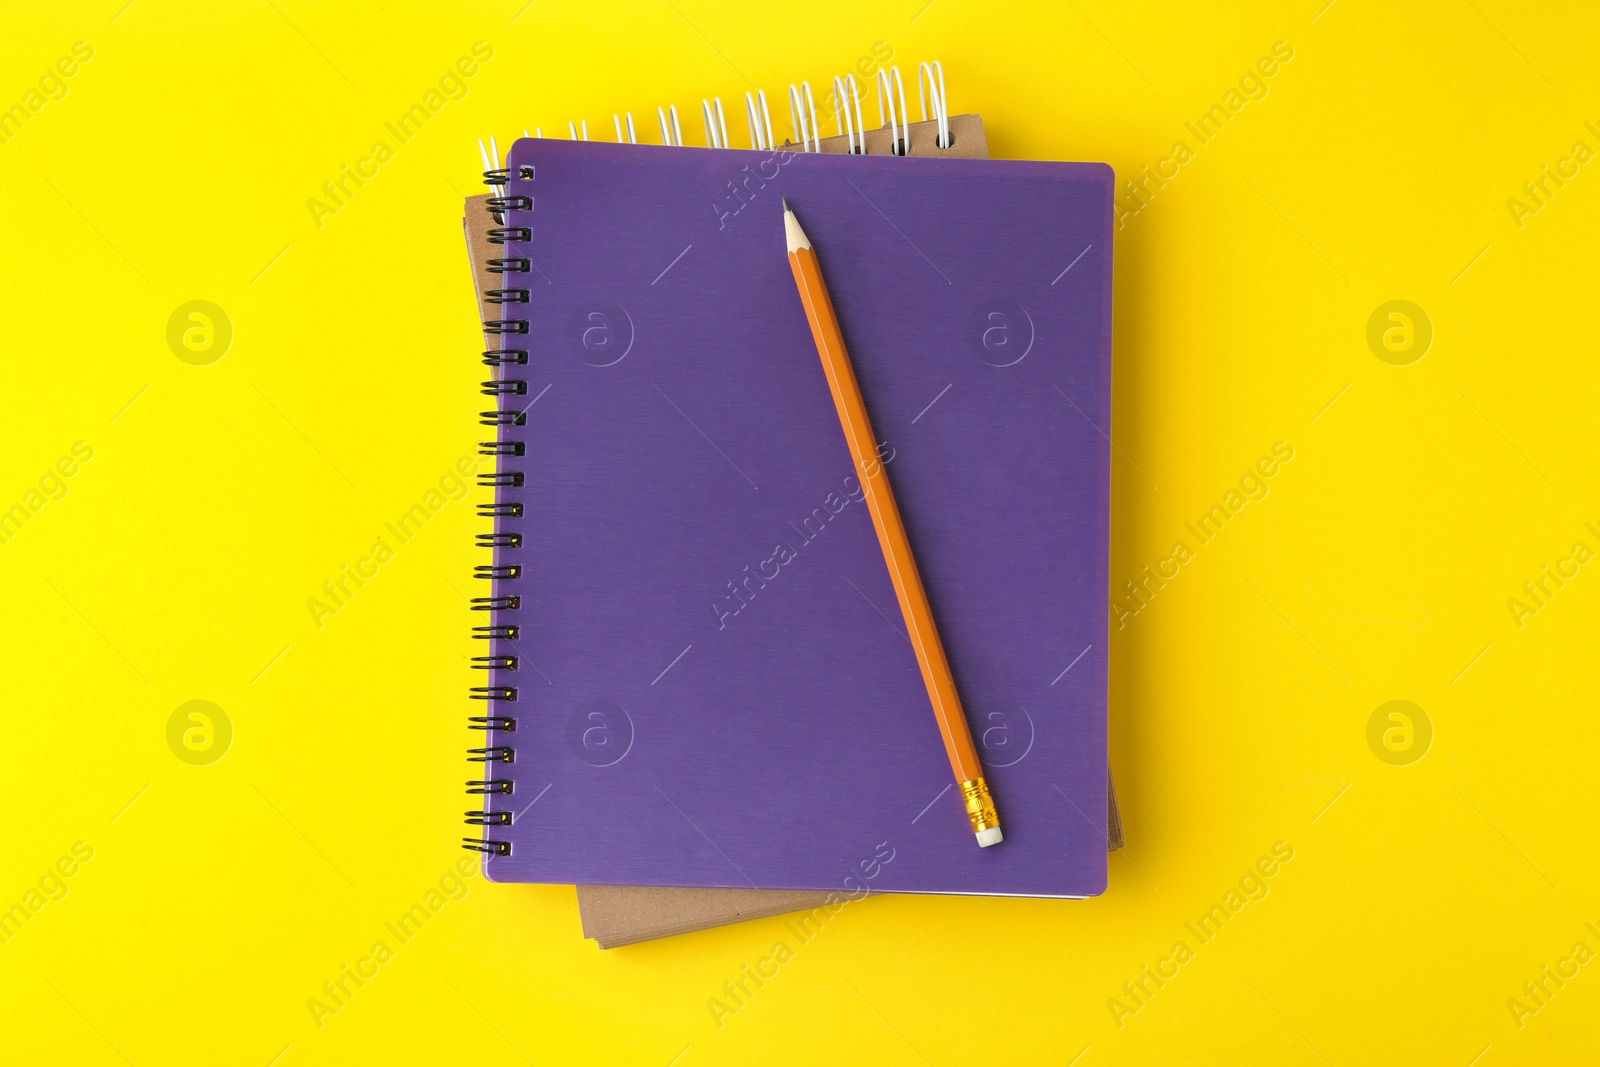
column 713, row 683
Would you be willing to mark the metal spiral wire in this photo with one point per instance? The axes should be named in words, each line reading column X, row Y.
column 499, row 603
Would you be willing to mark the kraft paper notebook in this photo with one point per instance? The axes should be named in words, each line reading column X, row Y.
column 790, row 745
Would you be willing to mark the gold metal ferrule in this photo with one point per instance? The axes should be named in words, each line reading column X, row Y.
column 979, row 804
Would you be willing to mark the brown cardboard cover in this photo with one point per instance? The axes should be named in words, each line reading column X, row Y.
column 965, row 130
column 616, row 915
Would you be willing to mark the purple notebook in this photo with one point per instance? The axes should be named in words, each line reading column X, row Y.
column 712, row 685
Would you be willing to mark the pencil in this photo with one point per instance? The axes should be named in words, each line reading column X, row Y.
column 891, row 533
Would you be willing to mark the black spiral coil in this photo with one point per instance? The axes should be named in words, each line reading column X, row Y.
column 496, row 750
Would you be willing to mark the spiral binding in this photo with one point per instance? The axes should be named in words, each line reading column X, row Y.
column 496, row 750
column 893, row 115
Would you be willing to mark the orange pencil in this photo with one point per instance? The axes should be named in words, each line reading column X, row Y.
column 891, row 533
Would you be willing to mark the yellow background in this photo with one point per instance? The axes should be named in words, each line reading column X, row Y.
column 178, row 566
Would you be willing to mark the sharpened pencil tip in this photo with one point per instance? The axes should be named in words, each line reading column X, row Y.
column 786, row 206
column 793, row 234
